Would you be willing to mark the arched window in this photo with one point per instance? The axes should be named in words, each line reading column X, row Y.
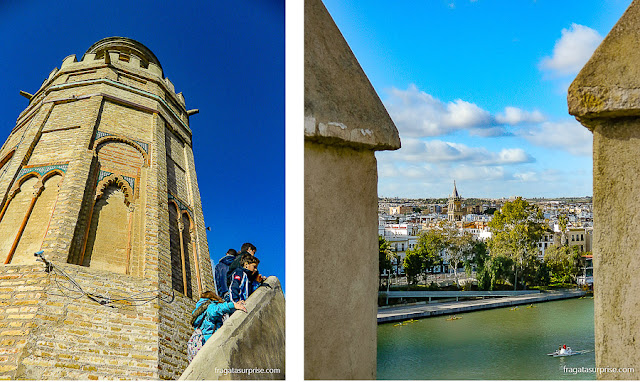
column 177, row 281
column 181, row 248
column 187, row 250
column 25, row 218
column 13, row 214
column 38, row 222
column 108, row 241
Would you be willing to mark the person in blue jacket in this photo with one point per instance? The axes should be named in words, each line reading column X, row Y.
column 245, row 279
column 220, row 273
column 206, row 318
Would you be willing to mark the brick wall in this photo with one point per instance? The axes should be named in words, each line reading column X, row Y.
column 51, row 336
column 120, row 158
column 125, row 121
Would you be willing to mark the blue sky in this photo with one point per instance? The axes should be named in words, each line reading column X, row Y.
column 227, row 57
column 477, row 89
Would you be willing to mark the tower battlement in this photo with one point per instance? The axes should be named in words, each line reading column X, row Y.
column 121, row 59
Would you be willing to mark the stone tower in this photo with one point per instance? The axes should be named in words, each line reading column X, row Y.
column 98, row 172
column 454, row 208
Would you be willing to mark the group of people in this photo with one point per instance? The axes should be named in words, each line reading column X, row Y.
column 236, row 276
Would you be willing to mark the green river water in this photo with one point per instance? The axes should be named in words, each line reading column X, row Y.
column 491, row 344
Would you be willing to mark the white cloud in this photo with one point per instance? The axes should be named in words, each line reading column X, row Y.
column 437, row 151
column 572, row 50
column 474, row 174
column 567, row 135
column 514, row 116
column 528, row 176
column 418, row 114
column 465, row 114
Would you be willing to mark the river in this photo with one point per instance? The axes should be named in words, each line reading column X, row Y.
column 491, row 344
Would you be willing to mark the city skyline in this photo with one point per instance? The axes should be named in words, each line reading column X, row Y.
column 478, row 91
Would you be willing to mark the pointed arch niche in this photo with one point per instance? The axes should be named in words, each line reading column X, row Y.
column 26, row 216
column 109, row 237
column 114, row 217
column 185, row 277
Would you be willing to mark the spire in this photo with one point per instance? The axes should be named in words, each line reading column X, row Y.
column 455, row 191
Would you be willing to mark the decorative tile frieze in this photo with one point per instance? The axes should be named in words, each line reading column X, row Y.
column 103, row 174
column 42, row 170
column 181, row 204
column 102, row 134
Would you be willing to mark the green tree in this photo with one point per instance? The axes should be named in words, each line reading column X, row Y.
column 515, row 230
column 459, row 250
column 562, row 223
column 413, row 266
column 499, row 269
column 542, row 276
column 428, row 249
column 384, row 256
column 564, row 263
column 479, row 257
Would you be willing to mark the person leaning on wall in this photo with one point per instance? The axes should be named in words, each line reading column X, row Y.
column 207, row 317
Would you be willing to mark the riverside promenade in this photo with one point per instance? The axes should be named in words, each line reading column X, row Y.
column 400, row 313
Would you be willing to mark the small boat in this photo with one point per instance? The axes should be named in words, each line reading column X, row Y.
column 410, row 321
column 454, row 318
column 531, row 306
column 566, row 352
column 516, row 308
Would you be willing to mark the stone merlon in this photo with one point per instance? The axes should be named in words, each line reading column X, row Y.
column 609, row 84
column 336, row 113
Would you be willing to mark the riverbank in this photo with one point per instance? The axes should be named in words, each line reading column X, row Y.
column 400, row 313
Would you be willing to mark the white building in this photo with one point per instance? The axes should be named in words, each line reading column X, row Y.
column 401, row 237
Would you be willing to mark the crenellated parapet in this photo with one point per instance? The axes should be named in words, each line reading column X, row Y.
column 115, row 61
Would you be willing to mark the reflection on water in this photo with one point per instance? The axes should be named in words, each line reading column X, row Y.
column 491, row 344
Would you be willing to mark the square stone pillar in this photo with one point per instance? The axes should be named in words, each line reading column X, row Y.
column 605, row 97
column 345, row 123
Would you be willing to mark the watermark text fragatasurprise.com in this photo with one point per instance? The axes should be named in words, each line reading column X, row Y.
column 598, row 370
column 233, row 370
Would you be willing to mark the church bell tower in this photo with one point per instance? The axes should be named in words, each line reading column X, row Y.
column 454, row 208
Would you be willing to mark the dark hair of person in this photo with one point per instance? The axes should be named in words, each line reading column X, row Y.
column 247, row 246
column 211, row 296
column 249, row 259
column 232, row 252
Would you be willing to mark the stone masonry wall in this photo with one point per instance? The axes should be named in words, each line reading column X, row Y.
column 47, row 335
column 605, row 98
